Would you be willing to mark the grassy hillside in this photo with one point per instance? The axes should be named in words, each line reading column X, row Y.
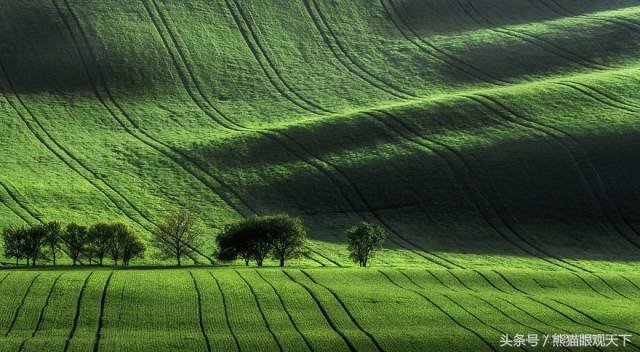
column 479, row 133
column 307, row 310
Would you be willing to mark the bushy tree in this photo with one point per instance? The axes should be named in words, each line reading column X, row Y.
column 258, row 236
column 13, row 239
column 35, row 238
column 131, row 245
column 53, row 238
column 76, row 240
column 287, row 236
column 247, row 239
column 363, row 241
column 100, row 236
column 175, row 237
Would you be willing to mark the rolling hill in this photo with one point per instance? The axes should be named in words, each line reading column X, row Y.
column 479, row 133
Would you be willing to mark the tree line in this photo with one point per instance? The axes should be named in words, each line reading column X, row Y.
column 255, row 238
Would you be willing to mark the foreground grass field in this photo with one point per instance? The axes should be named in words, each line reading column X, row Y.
column 307, row 309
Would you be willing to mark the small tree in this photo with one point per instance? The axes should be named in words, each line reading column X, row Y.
column 35, row 238
column 53, row 235
column 287, row 235
column 363, row 241
column 76, row 240
column 132, row 246
column 175, row 236
column 13, row 239
column 100, row 236
column 117, row 241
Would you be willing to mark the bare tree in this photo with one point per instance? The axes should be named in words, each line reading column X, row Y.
column 175, row 236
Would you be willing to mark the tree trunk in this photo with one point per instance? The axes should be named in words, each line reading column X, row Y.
column 74, row 261
column 53, row 250
column 179, row 262
column 246, row 261
column 28, row 262
column 33, row 261
column 101, row 257
column 281, row 261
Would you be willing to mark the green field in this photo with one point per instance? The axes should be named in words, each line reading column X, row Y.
column 307, row 310
column 496, row 141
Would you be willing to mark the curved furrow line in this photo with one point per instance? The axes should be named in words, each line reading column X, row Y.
column 13, row 210
column 505, row 279
column 284, row 307
column 200, row 321
column 44, row 307
column 530, row 297
column 439, row 280
column 610, row 286
column 226, row 311
column 543, row 44
column 435, row 52
column 264, row 316
column 311, row 250
column 597, row 321
column 77, row 313
column 188, row 79
column 323, row 311
column 344, row 307
column 34, row 214
column 601, row 98
column 4, row 278
column 322, row 26
column 490, row 326
column 496, row 308
column 470, row 180
column 129, row 125
column 316, row 162
column 255, row 45
column 21, row 204
column 19, row 307
column 204, row 104
column 425, row 297
column 563, row 11
column 622, row 276
column 135, row 130
column 45, row 138
column 487, row 280
column 96, row 344
column 532, row 316
column 631, row 107
column 460, row 281
column 591, row 287
column 587, row 170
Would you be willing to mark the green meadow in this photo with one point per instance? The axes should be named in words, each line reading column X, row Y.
column 495, row 141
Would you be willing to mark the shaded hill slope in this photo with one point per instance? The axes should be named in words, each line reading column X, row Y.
column 478, row 132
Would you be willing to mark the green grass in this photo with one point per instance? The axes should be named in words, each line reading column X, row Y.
column 491, row 135
column 309, row 309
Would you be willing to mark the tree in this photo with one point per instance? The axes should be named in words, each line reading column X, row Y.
column 287, row 236
column 76, row 240
column 53, row 235
column 131, row 245
column 116, row 241
column 14, row 243
column 100, row 236
column 247, row 239
column 232, row 243
column 363, row 241
column 34, row 239
column 175, row 236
